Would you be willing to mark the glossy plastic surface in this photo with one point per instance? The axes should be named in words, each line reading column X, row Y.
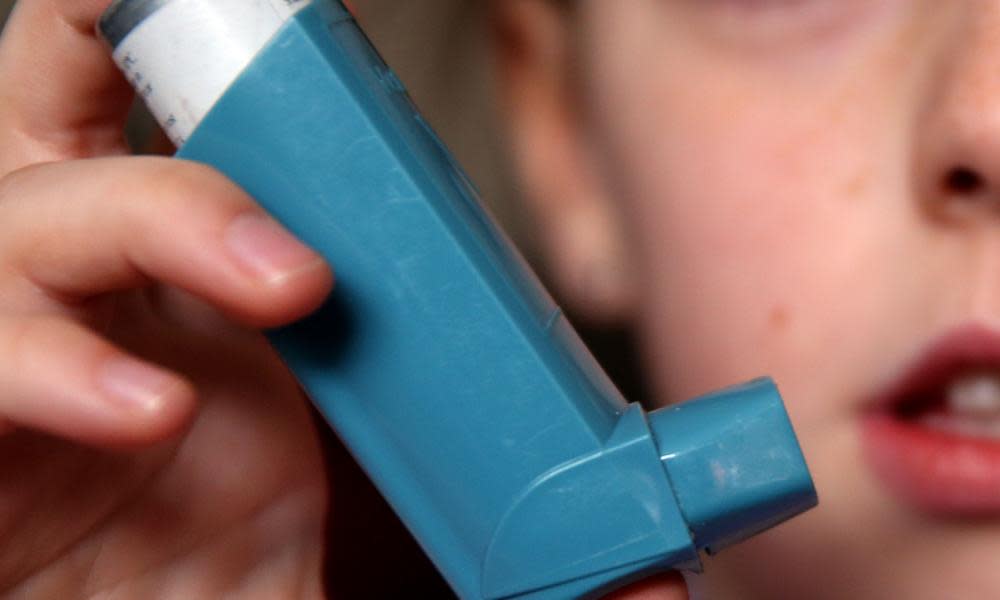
column 439, row 359
column 731, row 473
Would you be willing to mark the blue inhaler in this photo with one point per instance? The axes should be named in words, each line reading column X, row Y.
column 439, row 359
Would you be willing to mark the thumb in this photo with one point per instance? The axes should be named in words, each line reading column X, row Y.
column 61, row 95
column 663, row 586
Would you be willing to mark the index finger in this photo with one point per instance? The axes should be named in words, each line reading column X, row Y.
column 61, row 95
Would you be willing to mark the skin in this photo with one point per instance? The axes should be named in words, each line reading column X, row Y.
column 152, row 445
column 759, row 186
column 762, row 187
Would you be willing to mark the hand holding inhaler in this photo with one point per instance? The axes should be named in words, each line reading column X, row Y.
column 151, row 444
column 489, row 508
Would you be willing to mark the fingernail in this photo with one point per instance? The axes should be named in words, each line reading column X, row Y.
column 136, row 386
column 264, row 248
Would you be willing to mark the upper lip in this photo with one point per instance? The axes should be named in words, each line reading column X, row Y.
column 968, row 347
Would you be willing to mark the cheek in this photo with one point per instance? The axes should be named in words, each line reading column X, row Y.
column 747, row 266
column 761, row 224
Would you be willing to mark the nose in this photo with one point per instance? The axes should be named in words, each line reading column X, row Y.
column 957, row 162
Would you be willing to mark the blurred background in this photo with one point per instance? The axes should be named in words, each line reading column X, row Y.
column 441, row 50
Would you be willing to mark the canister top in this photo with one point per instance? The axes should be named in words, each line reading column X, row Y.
column 123, row 16
column 182, row 55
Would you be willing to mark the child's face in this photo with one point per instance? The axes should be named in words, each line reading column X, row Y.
column 811, row 189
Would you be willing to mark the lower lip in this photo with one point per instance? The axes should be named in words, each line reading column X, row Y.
column 934, row 471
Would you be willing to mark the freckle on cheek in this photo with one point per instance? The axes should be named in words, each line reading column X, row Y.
column 779, row 318
column 856, row 186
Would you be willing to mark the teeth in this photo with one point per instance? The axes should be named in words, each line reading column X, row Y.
column 974, row 394
column 972, row 403
column 976, row 427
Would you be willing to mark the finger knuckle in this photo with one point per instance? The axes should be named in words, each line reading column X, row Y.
column 188, row 185
column 27, row 340
column 14, row 186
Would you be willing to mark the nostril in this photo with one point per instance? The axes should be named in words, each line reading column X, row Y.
column 963, row 181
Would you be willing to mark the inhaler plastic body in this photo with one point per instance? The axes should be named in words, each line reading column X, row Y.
column 439, row 359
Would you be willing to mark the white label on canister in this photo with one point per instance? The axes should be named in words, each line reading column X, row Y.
column 184, row 56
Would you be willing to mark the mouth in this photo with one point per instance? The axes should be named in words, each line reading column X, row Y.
column 933, row 435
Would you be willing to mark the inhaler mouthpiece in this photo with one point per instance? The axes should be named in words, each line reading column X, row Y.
column 733, row 462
